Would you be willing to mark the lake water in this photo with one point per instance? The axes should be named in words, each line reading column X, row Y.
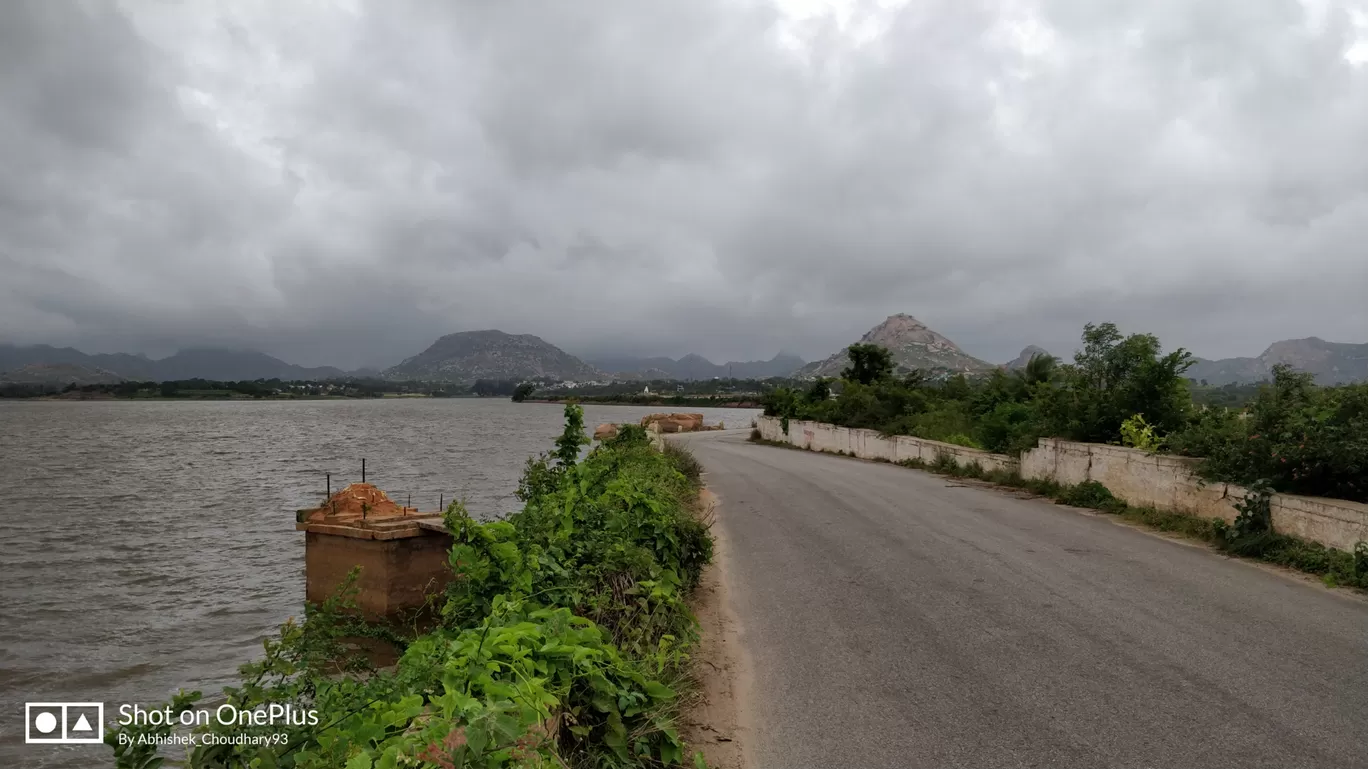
column 150, row 546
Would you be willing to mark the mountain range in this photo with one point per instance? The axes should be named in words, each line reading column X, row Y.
column 198, row 363
column 1330, row 362
column 490, row 354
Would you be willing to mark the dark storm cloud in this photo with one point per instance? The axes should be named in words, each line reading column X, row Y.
column 340, row 183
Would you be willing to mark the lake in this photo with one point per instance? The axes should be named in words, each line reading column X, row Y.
column 150, row 546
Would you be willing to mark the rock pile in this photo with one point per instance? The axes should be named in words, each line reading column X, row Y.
column 357, row 501
column 673, row 423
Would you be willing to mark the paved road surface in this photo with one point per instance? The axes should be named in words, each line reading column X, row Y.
column 895, row 619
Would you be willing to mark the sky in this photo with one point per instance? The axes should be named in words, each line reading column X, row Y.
column 339, row 183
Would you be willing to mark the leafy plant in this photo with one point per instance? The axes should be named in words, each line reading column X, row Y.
column 960, row 439
column 1253, row 521
column 1089, row 494
column 1139, row 434
column 572, row 439
column 684, row 461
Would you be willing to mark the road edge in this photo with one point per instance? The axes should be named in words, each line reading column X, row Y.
column 715, row 720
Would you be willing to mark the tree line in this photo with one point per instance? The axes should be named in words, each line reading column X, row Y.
column 1288, row 434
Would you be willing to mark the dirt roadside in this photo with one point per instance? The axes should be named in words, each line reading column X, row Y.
column 715, row 720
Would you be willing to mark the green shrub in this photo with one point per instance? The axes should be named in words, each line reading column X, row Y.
column 1299, row 438
column 571, row 610
column 960, row 439
column 684, row 461
column 944, row 463
column 1090, row 494
column 1139, row 434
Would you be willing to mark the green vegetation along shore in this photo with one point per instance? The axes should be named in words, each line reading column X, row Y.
column 563, row 642
column 1291, row 435
column 703, row 393
column 645, row 400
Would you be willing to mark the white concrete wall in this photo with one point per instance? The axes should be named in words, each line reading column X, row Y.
column 869, row 444
column 1170, row 483
column 771, row 429
column 1140, row 478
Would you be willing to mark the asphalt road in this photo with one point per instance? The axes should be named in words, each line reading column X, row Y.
column 895, row 618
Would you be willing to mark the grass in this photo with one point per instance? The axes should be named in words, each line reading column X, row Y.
column 1334, row 567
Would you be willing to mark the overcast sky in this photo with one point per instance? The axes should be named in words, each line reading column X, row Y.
column 342, row 182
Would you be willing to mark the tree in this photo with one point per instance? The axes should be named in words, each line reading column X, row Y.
column 1112, row 379
column 569, row 443
column 523, row 391
column 1040, row 368
column 780, row 402
column 869, row 363
column 819, row 392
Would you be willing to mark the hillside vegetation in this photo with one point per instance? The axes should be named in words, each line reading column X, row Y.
column 1294, row 436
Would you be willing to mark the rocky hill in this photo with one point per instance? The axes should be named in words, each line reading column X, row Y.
column 1330, row 362
column 693, row 367
column 470, row 355
column 58, row 374
column 914, row 346
column 1025, row 357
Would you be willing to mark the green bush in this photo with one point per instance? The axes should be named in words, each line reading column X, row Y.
column 1298, row 437
column 1090, row 494
column 1139, row 434
column 563, row 642
column 960, row 439
column 684, row 461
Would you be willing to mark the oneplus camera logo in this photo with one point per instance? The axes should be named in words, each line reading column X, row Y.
column 63, row 723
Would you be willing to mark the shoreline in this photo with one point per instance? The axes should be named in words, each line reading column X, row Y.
column 652, row 404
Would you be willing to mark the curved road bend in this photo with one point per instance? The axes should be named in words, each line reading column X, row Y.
column 895, row 618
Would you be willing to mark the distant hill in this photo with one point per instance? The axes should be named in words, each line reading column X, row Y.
column 58, row 374
column 1025, row 357
column 1330, row 362
column 230, row 365
column 13, row 357
column 470, row 355
column 692, row 367
column 205, row 363
column 914, row 346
